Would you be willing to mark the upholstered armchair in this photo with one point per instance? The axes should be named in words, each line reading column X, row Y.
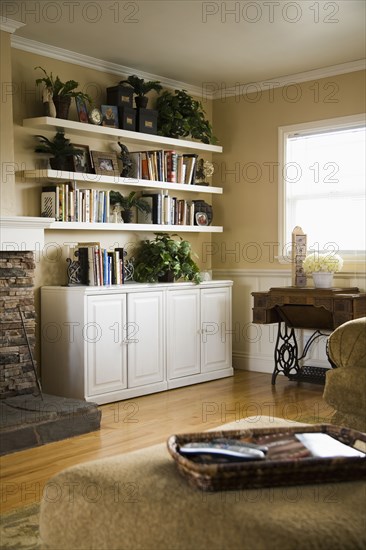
column 345, row 386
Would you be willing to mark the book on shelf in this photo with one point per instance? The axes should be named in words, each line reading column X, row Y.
column 99, row 266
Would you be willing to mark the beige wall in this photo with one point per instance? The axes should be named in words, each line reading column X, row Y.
column 7, row 198
column 247, row 128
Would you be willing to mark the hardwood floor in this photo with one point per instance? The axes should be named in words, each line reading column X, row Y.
column 143, row 421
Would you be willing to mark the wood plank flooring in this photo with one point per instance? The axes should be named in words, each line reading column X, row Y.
column 140, row 422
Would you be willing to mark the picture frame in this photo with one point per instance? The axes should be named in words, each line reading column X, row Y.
column 201, row 218
column 82, row 163
column 105, row 164
column 110, row 116
column 82, row 110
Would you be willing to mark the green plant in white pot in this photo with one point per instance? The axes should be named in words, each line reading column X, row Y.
column 322, row 268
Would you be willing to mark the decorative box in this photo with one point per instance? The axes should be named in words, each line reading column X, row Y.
column 147, row 121
column 120, row 96
column 127, row 118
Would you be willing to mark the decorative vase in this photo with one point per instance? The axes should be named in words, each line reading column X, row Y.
column 323, row 279
column 127, row 216
column 141, row 101
column 168, row 277
column 62, row 104
column 60, row 163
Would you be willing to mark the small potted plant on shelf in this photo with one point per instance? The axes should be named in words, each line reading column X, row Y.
column 165, row 259
column 179, row 115
column 59, row 94
column 60, row 149
column 141, row 88
column 128, row 203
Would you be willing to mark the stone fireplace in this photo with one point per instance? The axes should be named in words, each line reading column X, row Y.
column 28, row 418
column 17, row 375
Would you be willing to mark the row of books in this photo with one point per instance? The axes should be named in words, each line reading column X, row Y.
column 98, row 266
column 167, row 210
column 161, row 165
column 66, row 203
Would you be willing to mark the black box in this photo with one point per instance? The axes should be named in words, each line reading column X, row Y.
column 127, row 118
column 147, row 121
column 120, row 96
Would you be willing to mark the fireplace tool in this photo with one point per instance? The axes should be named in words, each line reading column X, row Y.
column 30, row 353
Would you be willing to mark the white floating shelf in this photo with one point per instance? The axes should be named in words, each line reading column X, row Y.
column 102, row 132
column 84, row 226
column 94, row 179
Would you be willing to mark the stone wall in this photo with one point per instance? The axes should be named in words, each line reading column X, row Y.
column 16, row 291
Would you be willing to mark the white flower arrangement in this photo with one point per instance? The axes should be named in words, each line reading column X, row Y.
column 322, row 262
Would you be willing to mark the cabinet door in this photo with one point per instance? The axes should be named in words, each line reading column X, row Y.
column 106, row 352
column 183, row 342
column 146, row 358
column 216, row 341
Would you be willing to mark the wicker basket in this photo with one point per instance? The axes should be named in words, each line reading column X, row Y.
column 217, row 476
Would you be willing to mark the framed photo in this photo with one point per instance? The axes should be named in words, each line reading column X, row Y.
column 201, row 218
column 109, row 116
column 105, row 164
column 82, row 110
column 82, row 162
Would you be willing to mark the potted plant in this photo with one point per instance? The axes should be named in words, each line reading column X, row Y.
column 322, row 267
column 165, row 259
column 61, row 92
column 141, row 88
column 128, row 203
column 60, row 148
column 179, row 115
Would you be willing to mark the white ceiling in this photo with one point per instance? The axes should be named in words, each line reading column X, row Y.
column 194, row 41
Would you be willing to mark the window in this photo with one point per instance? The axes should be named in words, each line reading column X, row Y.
column 322, row 185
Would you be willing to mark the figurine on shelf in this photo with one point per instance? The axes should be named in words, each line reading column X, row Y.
column 205, row 169
column 73, row 272
column 48, row 103
column 126, row 160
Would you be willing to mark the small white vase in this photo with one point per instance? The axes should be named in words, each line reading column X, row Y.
column 323, row 279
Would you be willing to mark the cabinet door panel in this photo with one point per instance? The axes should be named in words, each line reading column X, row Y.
column 215, row 329
column 106, row 355
column 146, row 358
column 183, row 345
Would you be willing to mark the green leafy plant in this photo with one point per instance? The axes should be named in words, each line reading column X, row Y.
column 156, row 258
column 59, row 88
column 140, row 87
column 129, row 201
column 179, row 115
column 60, row 149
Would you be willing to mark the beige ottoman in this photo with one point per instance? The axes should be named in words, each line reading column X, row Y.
column 345, row 386
column 139, row 501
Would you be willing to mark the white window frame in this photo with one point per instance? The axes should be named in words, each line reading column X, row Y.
column 353, row 121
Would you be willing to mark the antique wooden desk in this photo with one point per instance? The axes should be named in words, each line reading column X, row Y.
column 304, row 308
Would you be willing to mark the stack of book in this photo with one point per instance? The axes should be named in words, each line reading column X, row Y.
column 98, row 266
column 161, row 165
column 66, row 203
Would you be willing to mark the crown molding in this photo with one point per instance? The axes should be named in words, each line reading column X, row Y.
column 9, row 25
column 122, row 71
column 69, row 56
column 265, row 85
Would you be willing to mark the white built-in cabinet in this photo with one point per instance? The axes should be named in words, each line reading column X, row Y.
column 105, row 344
